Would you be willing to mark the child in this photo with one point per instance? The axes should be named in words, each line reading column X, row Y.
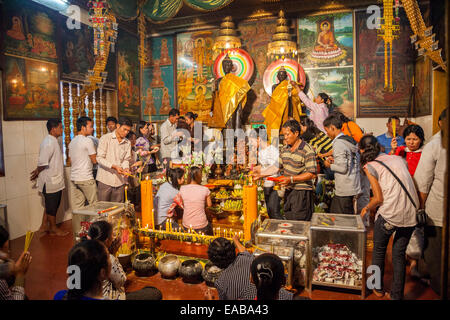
column 345, row 164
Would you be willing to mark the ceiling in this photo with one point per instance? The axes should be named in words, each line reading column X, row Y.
column 239, row 10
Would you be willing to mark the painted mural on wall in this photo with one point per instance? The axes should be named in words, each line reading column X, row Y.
column 158, row 95
column 255, row 36
column 78, row 55
column 373, row 100
column 30, row 31
column 326, row 40
column 32, row 89
column 195, row 60
column 128, row 94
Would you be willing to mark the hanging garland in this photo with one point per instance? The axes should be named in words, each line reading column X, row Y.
column 105, row 35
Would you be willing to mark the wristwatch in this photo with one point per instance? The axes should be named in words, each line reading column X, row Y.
column 292, row 179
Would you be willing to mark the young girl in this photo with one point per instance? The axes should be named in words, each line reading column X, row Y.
column 318, row 109
column 195, row 198
column 143, row 146
column 114, row 285
column 414, row 138
column 91, row 257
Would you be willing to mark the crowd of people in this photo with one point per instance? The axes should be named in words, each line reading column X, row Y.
column 388, row 180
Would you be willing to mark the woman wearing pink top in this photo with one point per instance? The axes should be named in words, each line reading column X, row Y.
column 396, row 211
column 318, row 109
column 195, row 198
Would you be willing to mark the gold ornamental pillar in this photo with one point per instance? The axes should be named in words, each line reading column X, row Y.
column 98, row 128
column 103, row 102
column 66, row 113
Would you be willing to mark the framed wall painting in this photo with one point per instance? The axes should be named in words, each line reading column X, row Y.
column 30, row 30
column 128, row 93
column 326, row 40
column 372, row 99
column 78, row 55
column 422, row 80
column 195, row 60
column 2, row 159
column 158, row 95
column 255, row 36
column 31, row 89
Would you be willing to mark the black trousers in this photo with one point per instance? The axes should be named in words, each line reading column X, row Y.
column 298, row 204
column 342, row 205
column 52, row 201
column 381, row 236
column 272, row 203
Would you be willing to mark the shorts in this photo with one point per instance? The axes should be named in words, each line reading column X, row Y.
column 52, row 202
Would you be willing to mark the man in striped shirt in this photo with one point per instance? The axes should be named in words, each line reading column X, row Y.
column 299, row 168
column 234, row 280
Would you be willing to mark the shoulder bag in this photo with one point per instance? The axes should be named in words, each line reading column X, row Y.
column 421, row 215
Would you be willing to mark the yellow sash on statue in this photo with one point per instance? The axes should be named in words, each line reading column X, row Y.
column 232, row 91
column 276, row 112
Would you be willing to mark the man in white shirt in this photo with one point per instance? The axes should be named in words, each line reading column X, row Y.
column 268, row 156
column 169, row 136
column 50, row 176
column 82, row 155
column 430, row 179
column 113, row 158
column 111, row 124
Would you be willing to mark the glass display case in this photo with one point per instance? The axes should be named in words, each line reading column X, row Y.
column 286, row 254
column 119, row 215
column 289, row 234
column 338, row 244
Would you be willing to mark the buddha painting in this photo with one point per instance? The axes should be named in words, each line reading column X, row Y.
column 165, row 102
column 200, row 103
column 164, row 58
column 149, row 104
column 326, row 49
column 199, row 58
column 16, row 30
column 157, row 81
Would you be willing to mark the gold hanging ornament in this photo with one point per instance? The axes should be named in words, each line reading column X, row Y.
column 424, row 39
column 105, row 35
column 281, row 45
column 389, row 30
column 227, row 38
column 142, row 53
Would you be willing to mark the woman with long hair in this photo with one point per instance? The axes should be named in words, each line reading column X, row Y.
column 193, row 124
column 164, row 199
column 90, row 257
column 414, row 139
column 396, row 213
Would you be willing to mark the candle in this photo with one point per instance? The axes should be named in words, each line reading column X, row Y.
column 126, row 196
column 394, row 124
column 139, row 223
column 167, row 225
column 218, row 231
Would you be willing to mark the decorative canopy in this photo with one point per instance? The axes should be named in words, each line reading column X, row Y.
column 161, row 11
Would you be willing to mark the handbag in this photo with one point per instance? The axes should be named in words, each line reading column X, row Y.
column 421, row 215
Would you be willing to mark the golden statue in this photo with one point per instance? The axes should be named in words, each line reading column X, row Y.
column 149, row 104
column 229, row 98
column 284, row 104
column 165, row 102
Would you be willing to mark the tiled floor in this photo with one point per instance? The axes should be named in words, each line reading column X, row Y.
column 47, row 275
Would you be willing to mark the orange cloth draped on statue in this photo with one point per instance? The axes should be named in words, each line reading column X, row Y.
column 276, row 113
column 232, row 91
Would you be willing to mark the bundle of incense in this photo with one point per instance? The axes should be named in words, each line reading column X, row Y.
column 28, row 239
column 106, row 210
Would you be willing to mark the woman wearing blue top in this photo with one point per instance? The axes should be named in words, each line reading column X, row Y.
column 164, row 198
column 92, row 258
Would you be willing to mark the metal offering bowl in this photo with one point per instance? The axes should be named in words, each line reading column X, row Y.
column 191, row 271
column 168, row 266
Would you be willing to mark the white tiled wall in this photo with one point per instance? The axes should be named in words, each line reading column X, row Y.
column 21, row 140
